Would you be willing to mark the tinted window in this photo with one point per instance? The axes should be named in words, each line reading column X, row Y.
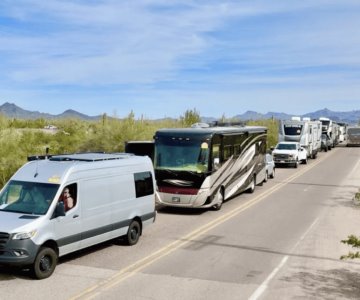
column 293, row 129
column 228, row 151
column 143, row 184
column 286, row 146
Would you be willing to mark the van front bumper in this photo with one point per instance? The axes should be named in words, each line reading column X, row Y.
column 18, row 252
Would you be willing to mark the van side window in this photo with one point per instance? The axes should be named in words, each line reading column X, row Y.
column 143, row 184
column 68, row 196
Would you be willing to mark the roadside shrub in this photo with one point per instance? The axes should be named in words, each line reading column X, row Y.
column 353, row 241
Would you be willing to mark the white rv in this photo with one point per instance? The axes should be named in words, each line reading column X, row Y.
column 113, row 195
column 305, row 132
column 342, row 132
column 328, row 128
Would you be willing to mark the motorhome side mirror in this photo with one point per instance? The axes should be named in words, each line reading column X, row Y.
column 216, row 162
column 59, row 210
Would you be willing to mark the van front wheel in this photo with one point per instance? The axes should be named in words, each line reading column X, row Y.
column 133, row 233
column 45, row 263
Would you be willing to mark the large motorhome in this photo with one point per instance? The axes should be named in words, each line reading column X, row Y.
column 305, row 132
column 204, row 165
column 113, row 195
column 353, row 136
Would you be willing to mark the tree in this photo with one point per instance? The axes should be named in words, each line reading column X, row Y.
column 273, row 130
column 190, row 117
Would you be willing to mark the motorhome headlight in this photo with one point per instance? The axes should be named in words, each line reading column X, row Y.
column 24, row 235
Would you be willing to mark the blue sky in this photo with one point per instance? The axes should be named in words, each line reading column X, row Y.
column 159, row 58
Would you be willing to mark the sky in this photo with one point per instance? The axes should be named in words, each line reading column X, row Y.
column 160, row 58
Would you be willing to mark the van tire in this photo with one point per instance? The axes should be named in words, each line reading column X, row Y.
column 133, row 233
column 45, row 263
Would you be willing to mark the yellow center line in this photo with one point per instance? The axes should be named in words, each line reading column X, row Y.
column 157, row 255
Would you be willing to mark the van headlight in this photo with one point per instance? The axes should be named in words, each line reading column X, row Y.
column 24, row 235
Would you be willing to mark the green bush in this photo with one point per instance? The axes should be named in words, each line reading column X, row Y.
column 353, row 241
column 22, row 138
column 273, row 130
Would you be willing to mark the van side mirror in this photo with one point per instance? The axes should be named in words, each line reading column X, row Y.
column 59, row 210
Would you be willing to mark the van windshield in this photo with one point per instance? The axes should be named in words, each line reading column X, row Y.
column 27, row 197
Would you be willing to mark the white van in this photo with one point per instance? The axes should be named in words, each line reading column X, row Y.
column 113, row 195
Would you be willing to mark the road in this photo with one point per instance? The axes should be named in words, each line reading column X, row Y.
column 281, row 242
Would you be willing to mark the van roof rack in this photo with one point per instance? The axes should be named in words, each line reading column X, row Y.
column 90, row 156
column 38, row 157
column 85, row 156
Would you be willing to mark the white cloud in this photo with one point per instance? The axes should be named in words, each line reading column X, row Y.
column 149, row 50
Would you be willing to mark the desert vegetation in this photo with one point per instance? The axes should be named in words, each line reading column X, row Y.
column 22, row 138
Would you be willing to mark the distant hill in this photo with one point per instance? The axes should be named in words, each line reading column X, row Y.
column 10, row 110
column 352, row 117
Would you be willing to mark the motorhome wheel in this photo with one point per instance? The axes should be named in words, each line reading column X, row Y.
column 252, row 185
column 220, row 198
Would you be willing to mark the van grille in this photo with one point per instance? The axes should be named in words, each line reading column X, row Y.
column 4, row 237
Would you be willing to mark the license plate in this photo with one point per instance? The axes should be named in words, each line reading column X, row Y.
column 176, row 199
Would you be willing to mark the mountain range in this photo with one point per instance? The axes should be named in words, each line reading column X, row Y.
column 10, row 110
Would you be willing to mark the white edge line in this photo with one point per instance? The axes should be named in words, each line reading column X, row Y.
column 262, row 288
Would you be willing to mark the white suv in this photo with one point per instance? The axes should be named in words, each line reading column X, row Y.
column 289, row 153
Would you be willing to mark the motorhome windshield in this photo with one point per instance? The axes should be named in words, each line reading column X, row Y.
column 293, row 129
column 286, row 146
column 354, row 131
column 325, row 124
column 182, row 154
column 27, row 197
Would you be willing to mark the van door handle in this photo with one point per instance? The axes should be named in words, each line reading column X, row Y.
column 75, row 216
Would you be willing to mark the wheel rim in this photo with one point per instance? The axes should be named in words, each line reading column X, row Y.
column 45, row 264
column 133, row 233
